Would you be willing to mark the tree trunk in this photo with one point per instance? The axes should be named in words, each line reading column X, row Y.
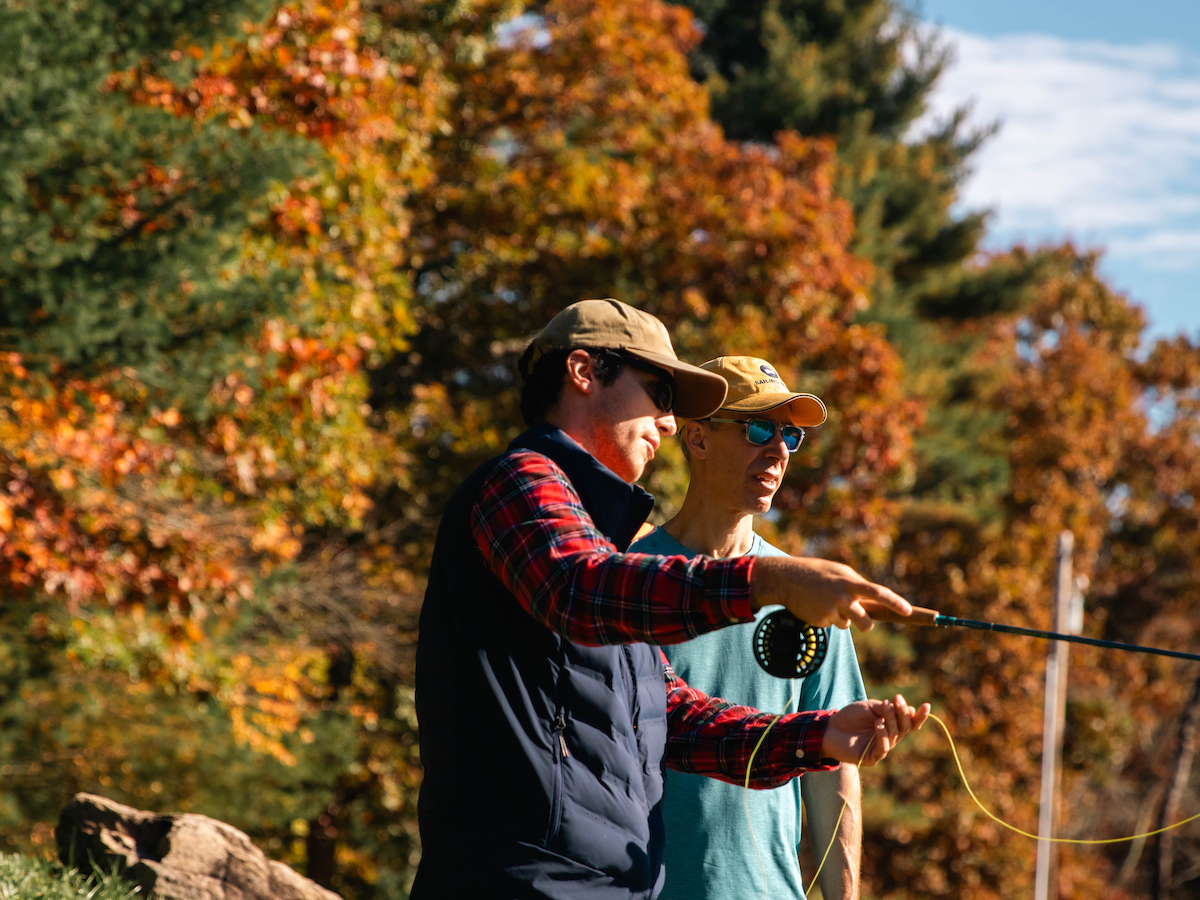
column 1189, row 721
column 321, row 846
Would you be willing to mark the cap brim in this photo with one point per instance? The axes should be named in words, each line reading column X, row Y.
column 698, row 392
column 805, row 410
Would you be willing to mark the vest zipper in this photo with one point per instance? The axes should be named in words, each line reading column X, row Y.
column 556, row 796
column 560, row 725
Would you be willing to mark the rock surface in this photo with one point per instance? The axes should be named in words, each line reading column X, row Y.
column 183, row 856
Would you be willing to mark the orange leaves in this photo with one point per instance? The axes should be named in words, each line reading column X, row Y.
column 309, row 70
column 1063, row 402
column 266, row 697
column 1074, row 403
column 78, row 516
column 299, row 215
column 292, row 431
column 108, row 499
column 611, row 174
column 302, row 69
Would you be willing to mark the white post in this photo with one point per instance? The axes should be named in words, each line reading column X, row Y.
column 1066, row 620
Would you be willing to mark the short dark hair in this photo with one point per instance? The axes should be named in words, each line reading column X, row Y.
column 542, row 387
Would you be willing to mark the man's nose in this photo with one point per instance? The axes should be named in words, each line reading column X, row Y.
column 775, row 447
column 666, row 424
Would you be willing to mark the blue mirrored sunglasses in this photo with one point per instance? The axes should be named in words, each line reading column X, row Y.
column 760, row 431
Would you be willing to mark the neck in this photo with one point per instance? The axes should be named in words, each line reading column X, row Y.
column 574, row 425
column 704, row 527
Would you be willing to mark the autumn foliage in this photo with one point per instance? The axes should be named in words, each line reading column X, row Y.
column 220, row 491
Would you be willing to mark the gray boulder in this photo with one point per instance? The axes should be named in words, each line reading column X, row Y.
column 182, row 856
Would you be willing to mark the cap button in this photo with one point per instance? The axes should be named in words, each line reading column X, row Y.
column 799, row 754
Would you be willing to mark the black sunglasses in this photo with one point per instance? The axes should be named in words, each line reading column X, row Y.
column 662, row 391
column 760, row 431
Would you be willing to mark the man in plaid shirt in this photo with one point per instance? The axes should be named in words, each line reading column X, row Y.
column 545, row 721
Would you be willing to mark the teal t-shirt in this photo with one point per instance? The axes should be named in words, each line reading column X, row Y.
column 709, row 853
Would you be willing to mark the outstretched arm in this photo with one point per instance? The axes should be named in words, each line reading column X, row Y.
column 536, row 537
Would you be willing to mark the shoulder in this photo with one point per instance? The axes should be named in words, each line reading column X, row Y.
column 525, row 478
column 528, row 462
column 660, row 543
column 762, row 548
column 525, row 465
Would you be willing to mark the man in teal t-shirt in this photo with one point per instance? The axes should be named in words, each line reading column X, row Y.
column 737, row 459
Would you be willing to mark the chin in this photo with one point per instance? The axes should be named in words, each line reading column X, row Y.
column 631, row 472
column 758, row 505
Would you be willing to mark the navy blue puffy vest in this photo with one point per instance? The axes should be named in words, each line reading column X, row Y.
column 504, row 813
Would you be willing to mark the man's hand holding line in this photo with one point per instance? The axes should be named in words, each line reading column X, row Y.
column 849, row 733
column 819, row 591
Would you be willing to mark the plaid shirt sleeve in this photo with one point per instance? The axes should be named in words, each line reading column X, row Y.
column 707, row 736
column 536, row 537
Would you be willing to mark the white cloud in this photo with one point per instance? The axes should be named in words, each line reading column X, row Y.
column 528, row 28
column 1171, row 249
column 1099, row 142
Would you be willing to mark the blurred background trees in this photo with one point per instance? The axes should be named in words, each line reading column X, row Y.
column 1026, row 370
column 271, row 265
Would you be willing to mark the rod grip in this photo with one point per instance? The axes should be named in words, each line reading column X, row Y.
column 920, row 615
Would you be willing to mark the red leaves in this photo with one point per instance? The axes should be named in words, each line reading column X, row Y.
column 75, row 513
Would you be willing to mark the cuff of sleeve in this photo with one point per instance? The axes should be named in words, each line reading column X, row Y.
column 806, row 739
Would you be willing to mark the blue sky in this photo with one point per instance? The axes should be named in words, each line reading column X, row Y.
column 1099, row 107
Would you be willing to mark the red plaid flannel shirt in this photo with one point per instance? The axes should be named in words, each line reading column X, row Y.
column 537, row 538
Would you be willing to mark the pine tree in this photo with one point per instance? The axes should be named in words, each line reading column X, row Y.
column 126, row 226
column 860, row 71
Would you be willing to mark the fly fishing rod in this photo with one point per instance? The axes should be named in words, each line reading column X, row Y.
column 787, row 647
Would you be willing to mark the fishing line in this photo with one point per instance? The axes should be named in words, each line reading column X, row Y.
column 746, row 787
column 787, row 647
column 746, row 801
column 966, row 784
column 1051, row 840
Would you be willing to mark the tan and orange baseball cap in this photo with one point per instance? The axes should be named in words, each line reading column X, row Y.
column 755, row 386
column 611, row 324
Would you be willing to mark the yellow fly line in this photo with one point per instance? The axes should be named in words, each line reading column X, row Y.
column 966, row 784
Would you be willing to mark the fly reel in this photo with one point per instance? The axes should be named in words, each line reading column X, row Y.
column 787, row 647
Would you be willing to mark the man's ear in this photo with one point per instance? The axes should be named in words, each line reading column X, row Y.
column 581, row 372
column 695, row 439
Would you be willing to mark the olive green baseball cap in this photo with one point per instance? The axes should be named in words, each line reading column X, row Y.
column 755, row 386
column 613, row 325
